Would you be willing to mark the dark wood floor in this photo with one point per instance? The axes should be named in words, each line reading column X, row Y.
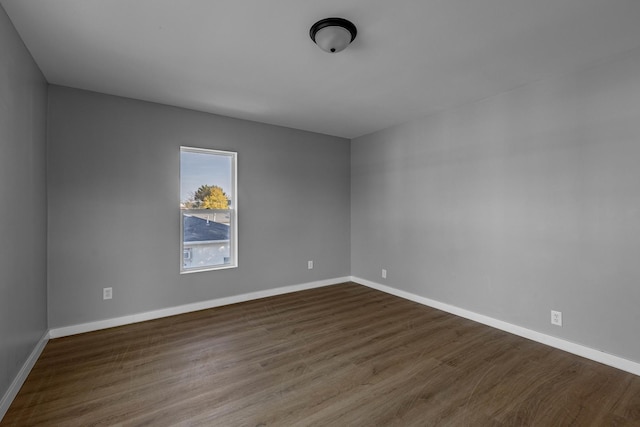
column 343, row 355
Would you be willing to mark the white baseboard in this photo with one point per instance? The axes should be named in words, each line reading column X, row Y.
column 14, row 388
column 578, row 349
column 187, row 308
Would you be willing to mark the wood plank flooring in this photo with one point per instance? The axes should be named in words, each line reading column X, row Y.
column 343, row 355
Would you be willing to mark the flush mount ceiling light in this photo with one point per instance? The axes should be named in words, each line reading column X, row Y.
column 333, row 34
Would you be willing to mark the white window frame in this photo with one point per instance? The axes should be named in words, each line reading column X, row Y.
column 233, row 214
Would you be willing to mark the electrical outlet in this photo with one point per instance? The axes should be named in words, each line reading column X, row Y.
column 107, row 293
column 384, row 273
column 310, row 265
column 556, row 317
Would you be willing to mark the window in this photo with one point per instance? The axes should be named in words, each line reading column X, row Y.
column 208, row 210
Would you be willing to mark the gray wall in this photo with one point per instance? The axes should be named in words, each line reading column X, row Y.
column 23, row 203
column 113, row 186
column 514, row 205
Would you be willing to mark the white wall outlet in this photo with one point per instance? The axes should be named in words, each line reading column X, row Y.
column 556, row 317
column 384, row 273
column 310, row 265
column 107, row 293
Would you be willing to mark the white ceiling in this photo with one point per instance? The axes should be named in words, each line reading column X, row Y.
column 253, row 59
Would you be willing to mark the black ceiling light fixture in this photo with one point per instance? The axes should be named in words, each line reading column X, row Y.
column 333, row 34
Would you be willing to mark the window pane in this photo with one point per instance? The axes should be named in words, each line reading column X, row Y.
column 208, row 209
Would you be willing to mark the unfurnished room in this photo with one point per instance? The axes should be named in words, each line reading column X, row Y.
column 337, row 213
